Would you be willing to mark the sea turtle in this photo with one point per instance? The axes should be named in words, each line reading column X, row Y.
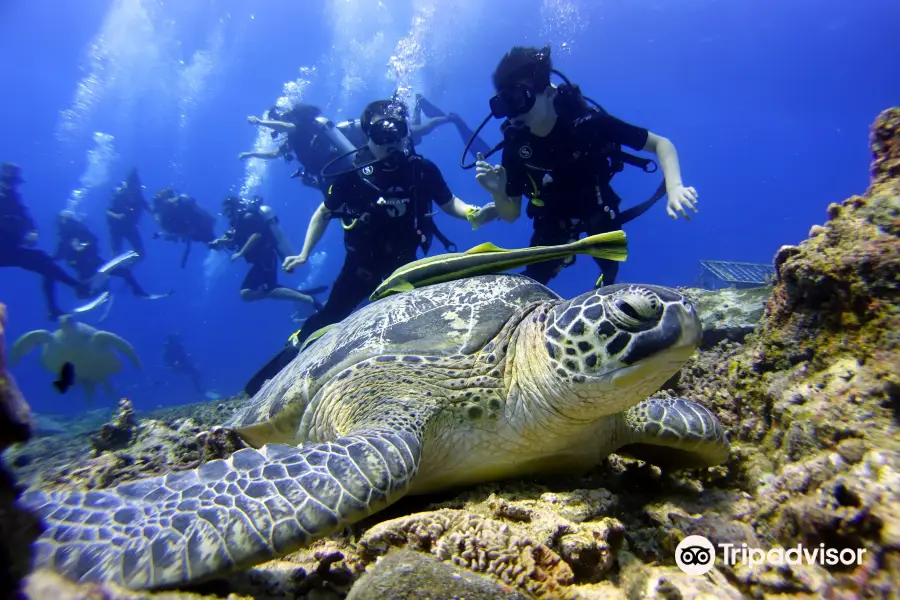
column 467, row 381
column 91, row 352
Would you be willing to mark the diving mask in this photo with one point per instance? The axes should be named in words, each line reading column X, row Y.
column 388, row 130
column 513, row 101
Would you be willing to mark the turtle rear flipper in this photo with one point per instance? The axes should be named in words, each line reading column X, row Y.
column 194, row 525
column 27, row 343
column 674, row 433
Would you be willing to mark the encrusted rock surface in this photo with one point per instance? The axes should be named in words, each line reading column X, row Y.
column 409, row 575
column 728, row 314
column 15, row 416
column 17, row 528
column 810, row 398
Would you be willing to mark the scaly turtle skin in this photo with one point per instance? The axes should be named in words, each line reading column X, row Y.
column 92, row 352
column 452, row 384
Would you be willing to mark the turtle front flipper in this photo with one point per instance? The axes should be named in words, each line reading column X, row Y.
column 256, row 505
column 27, row 343
column 674, row 433
column 111, row 340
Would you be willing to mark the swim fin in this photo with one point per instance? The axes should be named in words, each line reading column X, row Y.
column 98, row 301
column 478, row 144
column 428, row 109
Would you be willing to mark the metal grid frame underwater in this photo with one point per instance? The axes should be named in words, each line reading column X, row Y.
column 742, row 273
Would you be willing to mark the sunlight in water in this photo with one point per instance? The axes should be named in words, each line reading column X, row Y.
column 432, row 40
column 193, row 79
column 561, row 22
column 99, row 160
column 123, row 60
column 360, row 47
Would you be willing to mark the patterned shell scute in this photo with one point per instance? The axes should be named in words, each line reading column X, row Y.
column 457, row 317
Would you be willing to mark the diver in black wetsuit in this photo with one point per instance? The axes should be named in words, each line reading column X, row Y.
column 561, row 153
column 78, row 247
column 315, row 141
column 175, row 357
column 123, row 215
column 257, row 237
column 182, row 220
column 18, row 236
column 380, row 203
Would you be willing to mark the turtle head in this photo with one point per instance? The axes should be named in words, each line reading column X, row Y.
column 610, row 348
column 67, row 323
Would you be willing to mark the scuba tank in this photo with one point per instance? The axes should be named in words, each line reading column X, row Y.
column 283, row 244
column 338, row 141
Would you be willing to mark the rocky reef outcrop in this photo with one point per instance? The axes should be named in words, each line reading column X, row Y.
column 804, row 375
column 17, row 528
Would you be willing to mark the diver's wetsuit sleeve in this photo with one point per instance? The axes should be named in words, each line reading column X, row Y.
column 338, row 194
column 601, row 129
column 435, row 183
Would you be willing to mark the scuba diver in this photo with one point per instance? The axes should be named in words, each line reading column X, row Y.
column 175, row 357
column 315, row 141
column 256, row 236
column 380, row 201
column 78, row 247
column 18, row 236
column 182, row 220
column 124, row 214
column 562, row 154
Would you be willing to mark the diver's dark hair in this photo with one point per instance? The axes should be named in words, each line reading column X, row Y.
column 524, row 64
column 380, row 108
column 301, row 113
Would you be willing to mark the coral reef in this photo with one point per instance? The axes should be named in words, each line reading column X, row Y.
column 810, row 398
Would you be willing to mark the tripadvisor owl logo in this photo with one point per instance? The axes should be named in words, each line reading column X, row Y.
column 696, row 555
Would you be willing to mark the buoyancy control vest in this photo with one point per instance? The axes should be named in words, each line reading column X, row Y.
column 405, row 197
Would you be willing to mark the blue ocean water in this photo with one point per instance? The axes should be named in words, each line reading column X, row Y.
column 768, row 104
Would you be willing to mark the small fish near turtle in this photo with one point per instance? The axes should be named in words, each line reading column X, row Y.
column 471, row 380
column 94, row 355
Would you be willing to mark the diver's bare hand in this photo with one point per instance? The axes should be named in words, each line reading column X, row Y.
column 491, row 177
column 679, row 198
column 292, row 262
column 253, row 120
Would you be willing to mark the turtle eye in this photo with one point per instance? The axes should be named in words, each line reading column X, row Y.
column 628, row 309
column 635, row 309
